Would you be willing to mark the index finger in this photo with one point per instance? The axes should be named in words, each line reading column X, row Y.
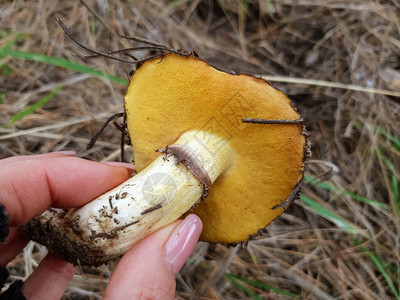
column 29, row 186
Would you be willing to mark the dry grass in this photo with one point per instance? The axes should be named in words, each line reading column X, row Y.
column 328, row 245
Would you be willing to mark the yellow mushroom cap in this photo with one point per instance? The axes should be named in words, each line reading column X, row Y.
column 174, row 94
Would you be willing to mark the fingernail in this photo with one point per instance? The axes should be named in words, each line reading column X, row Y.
column 181, row 242
column 69, row 153
column 129, row 167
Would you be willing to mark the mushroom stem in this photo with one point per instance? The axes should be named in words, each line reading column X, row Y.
column 109, row 225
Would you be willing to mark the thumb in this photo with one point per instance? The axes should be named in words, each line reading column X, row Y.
column 148, row 269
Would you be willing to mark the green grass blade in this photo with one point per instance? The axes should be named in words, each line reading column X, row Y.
column 35, row 106
column 4, row 33
column 263, row 286
column 382, row 132
column 329, row 215
column 340, row 222
column 177, row 3
column 378, row 263
column 390, row 137
column 269, row 6
column 395, row 191
column 244, row 9
column 327, row 186
column 395, row 181
column 382, row 267
column 249, row 292
column 254, row 283
column 17, row 38
column 4, row 69
column 394, row 270
column 60, row 62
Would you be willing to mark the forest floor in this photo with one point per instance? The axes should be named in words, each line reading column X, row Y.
column 339, row 62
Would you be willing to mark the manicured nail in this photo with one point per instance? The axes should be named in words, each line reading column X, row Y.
column 129, row 167
column 181, row 242
column 69, row 153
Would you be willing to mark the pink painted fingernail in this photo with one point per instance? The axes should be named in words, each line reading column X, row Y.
column 70, row 153
column 181, row 242
column 127, row 166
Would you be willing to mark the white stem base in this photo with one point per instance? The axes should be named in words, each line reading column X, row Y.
column 109, row 225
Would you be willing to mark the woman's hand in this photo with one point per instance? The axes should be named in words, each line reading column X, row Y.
column 31, row 184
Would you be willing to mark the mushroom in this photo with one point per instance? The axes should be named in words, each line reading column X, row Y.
column 229, row 148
